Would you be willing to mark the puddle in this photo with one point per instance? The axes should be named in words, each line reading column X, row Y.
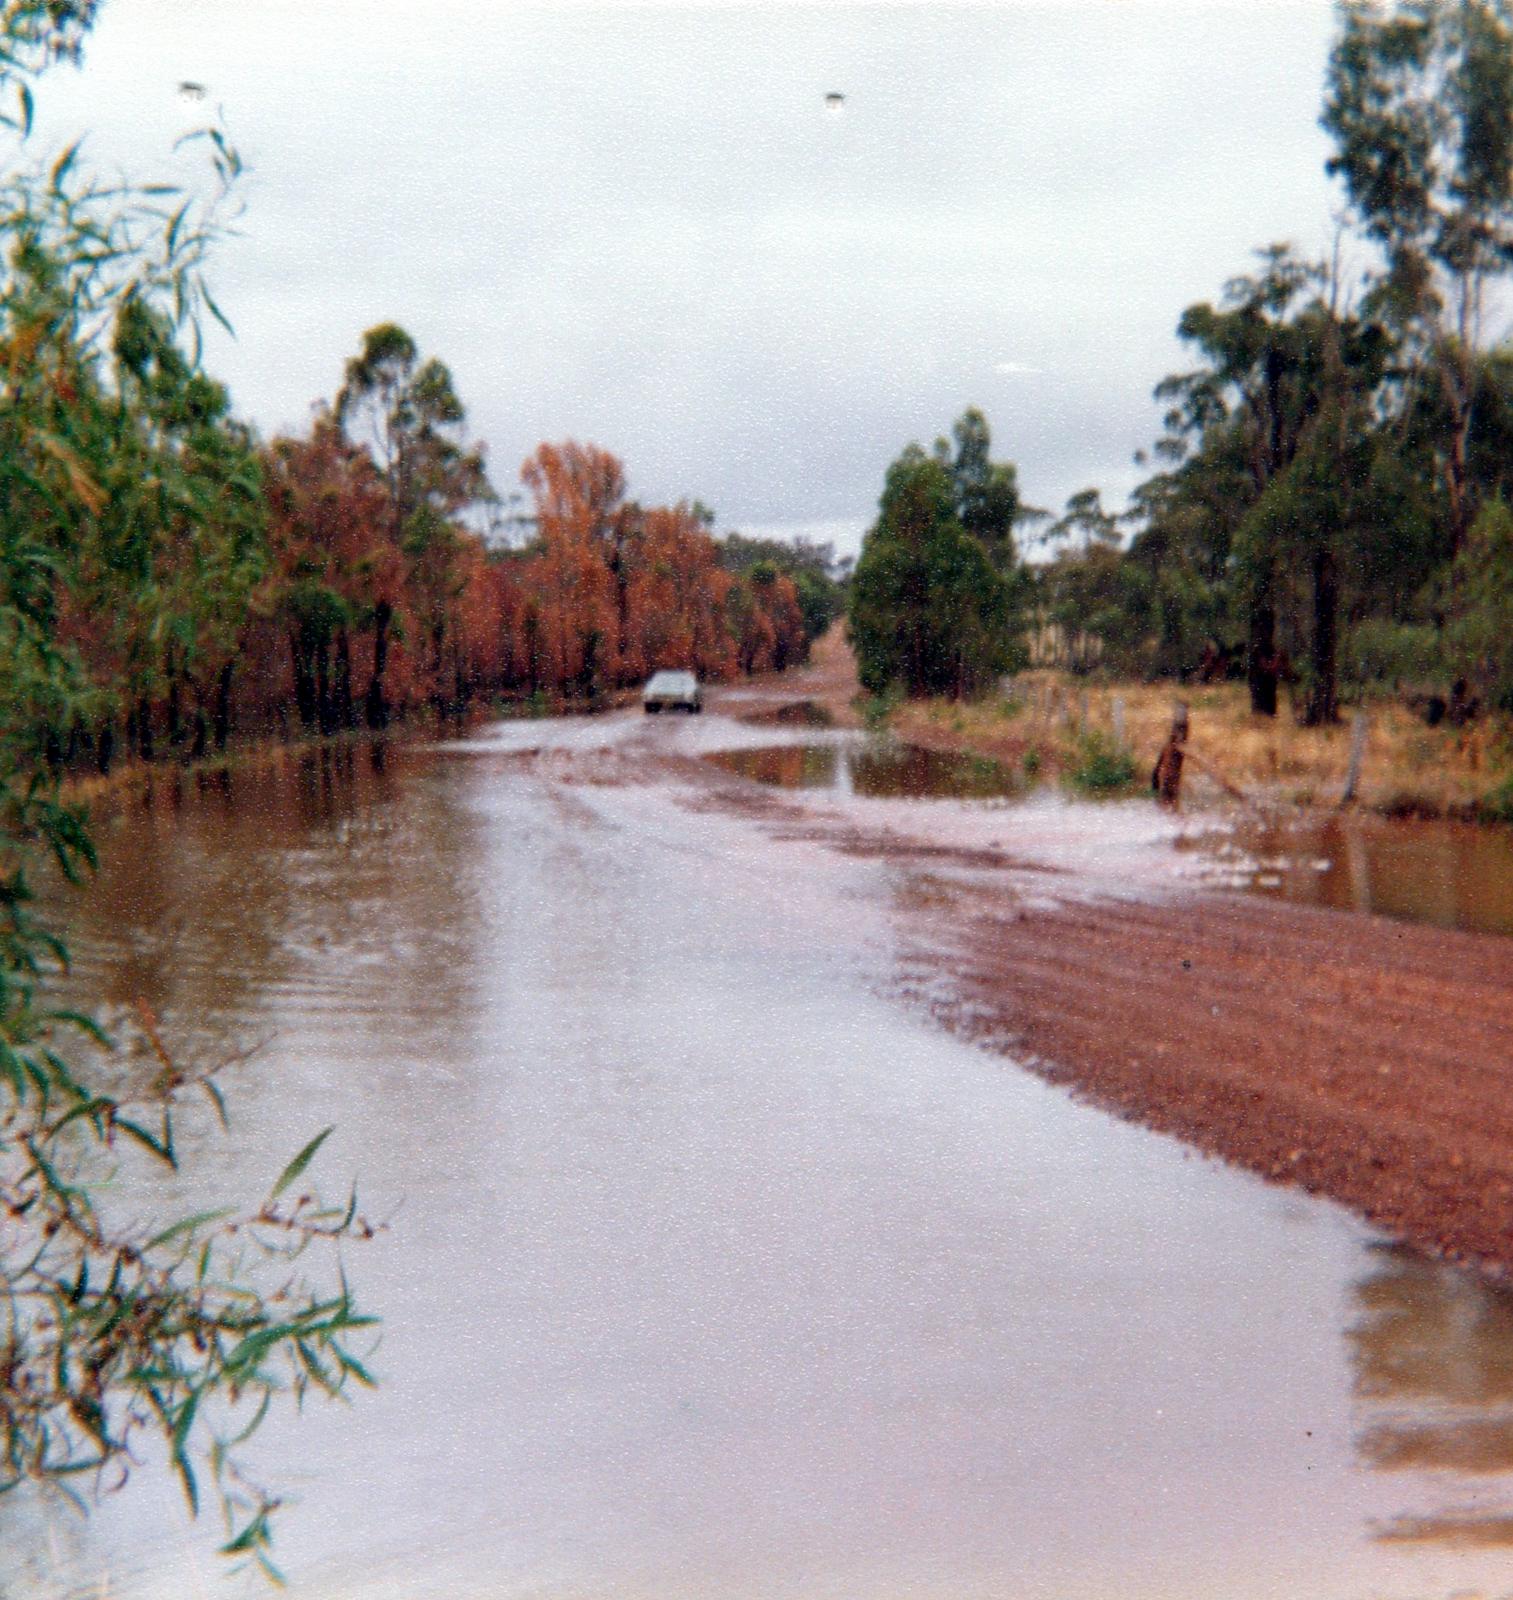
column 879, row 769
column 794, row 714
column 1449, row 874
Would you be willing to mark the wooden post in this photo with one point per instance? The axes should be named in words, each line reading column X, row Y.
column 1166, row 779
column 1358, row 728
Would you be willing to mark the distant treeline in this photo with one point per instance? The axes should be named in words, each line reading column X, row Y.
column 205, row 585
column 1329, row 505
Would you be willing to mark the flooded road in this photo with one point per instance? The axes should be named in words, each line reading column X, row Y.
column 1447, row 874
column 713, row 1268
column 878, row 768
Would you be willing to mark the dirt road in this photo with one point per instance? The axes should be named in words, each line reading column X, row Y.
column 1364, row 1059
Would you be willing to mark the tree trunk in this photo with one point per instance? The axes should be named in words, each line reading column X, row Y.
column 375, row 707
column 1261, row 658
column 175, row 720
column 325, row 707
column 343, row 686
column 144, row 728
column 223, row 706
column 304, row 680
column 1323, row 691
column 105, row 747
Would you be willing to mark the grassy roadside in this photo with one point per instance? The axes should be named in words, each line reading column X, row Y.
column 1059, row 727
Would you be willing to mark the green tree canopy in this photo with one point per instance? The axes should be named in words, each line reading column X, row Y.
column 928, row 611
column 1419, row 102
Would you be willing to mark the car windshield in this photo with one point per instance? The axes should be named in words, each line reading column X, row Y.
column 671, row 683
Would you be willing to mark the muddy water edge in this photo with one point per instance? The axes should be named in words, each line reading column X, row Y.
column 715, row 1266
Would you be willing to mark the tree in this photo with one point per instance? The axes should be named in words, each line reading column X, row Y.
column 579, row 493
column 1419, row 102
column 1481, row 605
column 116, row 480
column 986, row 492
column 927, row 611
column 1246, row 409
column 811, row 566
column 406, row 411
column 1085, row 524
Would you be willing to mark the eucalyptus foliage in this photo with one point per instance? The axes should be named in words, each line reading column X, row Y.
column 928, row 611
column 124, row 488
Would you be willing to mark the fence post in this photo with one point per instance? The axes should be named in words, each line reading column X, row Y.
column 1166, row 780
column 1358, row 727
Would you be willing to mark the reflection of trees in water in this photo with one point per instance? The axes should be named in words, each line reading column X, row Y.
column 890, row 769
column 786, row 766
column 1433, row 1357
column 224, row 898
column 1450, row 874
column 877, row 768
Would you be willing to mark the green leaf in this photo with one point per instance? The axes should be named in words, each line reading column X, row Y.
column 299, row 1163
column 10, row 1064
column 218, row 1100
column 185, row 1422
column 356, row 1368
column 214, row 310
column 175, row 225
column 161, row 1148
column 85, row 1024
column 63, row 165
column 182, row 1467
column 185, row 1225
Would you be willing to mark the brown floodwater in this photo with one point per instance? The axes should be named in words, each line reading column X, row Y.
column 1450, row 874
column 874, row 768
column 713, row 1270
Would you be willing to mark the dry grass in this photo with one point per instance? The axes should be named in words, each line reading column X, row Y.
column 1409, row 768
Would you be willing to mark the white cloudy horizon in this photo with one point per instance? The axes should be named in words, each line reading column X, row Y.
column 639, row 225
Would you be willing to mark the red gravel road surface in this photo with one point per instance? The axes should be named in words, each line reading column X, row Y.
column 1367, row 1060
column 1352, row 1056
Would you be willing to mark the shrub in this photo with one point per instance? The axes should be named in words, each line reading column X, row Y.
column 1102, row 765
column 1381, row 651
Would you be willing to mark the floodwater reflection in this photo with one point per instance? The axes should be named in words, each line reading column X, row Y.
column 1433, row 1356
column 879, row 769
column 1449, row 874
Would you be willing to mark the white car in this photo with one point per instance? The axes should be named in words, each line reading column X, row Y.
column 669, row 691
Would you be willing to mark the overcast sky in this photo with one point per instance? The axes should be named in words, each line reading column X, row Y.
column 640, row 226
